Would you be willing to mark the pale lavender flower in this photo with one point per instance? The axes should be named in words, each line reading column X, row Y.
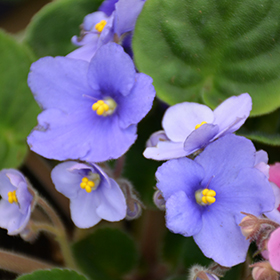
column 204, row 196
column 93, row 195
column 100, row 27
column 189, row 127
column 15, row 205
column 91, row 110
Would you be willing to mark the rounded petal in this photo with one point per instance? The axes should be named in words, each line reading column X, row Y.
column 261, row 156
column 83, row 135
column 126, row 15
column 59, row 82
column 112, row 202
column 200, row 138
column 134, row 107
column 223, row 159
column 218, row 232
column 273, row 247
column 165, row 150
column 83, row 209
column 179, row 175
column 111, row 71
column 183, row 215
column 250, row 192
column 11, row 218
column 108, row 6
column 85, row 52
column 5, row 182
column 66, row 180
column 180, row 120
column 232, row 113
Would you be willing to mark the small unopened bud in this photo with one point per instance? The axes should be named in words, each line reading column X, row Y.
column 198, row 272
column 134, row 210
column 264, row 271
column 134, row 205
column 249, row 226
column 159, row 200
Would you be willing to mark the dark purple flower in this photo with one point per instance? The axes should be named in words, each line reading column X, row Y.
column 189, row 127
column 99, row 28
column 91, row 110
column 204, row 196
column 93, row 195
column 15, row 205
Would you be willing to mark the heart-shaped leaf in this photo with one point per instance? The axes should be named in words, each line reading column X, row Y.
column 208, row 50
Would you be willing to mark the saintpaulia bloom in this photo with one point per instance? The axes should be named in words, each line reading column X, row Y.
column 189, row 127
column 91, row 110
column 93, row 195
column 15, row 205
column 273, row 247
column 204, row 196
column 100, row 27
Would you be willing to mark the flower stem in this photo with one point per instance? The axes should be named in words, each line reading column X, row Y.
column 19, row 264
column 60, row 232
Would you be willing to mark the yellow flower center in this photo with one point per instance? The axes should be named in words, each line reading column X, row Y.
column 104, row 107
column 12, row 198
column 100, row 25
column 90, row 183
column 205, row 197
column 199, row 125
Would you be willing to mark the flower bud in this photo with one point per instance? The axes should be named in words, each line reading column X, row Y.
column 134, row 210
column 159, row 200
column 263, row 271
column 201, row 273
column 249, row 226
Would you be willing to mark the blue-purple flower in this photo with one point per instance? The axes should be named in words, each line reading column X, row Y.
column 102, row 27
column 93, row 195
column 91, row 110
column 204, row 196
column 15, row 205
column 189, row 127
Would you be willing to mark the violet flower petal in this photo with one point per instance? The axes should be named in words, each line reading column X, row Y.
column 177, row 122
column 59, row 82
column 126, row 15
column 232, row 153
column 113, row 205
column 200, row 137
column 218, row 231
column 182, row 215
column 232, row 113
column 170, row 180
column 108, row 6
column 140, row 100
column 109, row 75
column 165, row 150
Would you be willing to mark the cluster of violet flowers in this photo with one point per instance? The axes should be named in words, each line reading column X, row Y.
column 214, row 185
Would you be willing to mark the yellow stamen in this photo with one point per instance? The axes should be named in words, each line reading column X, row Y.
column 100, row 25
column 199, row 125
column 12, row 197
column 91, row 182
column 104, row 108
column 205, row 197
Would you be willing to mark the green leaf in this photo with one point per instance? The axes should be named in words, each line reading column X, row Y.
column 18, row 109
column 106, row 254
column 51, row 29
column 264, row 129
column 55, row 274
column 208, row 50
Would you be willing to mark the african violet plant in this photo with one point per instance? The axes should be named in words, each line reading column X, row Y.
column 195, row 69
